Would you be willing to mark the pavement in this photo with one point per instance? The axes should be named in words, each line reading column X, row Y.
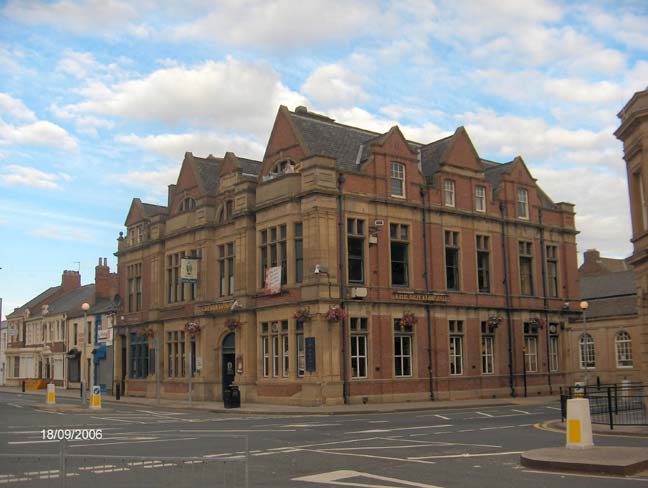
column 273, row 409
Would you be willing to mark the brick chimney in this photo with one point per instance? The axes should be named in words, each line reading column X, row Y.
column 70, row 280
column 592, row 262
column 106, row 284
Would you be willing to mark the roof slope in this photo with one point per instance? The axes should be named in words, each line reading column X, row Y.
column 607, row 285
column 70, row 301
column 34, row 301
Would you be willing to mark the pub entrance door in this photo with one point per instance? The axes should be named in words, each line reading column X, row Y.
column 229, row 359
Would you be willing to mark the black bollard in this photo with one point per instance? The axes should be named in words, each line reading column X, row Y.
column 117, row 391
column 23, row 386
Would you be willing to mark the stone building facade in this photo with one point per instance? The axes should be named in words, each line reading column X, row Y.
column 452, row 275
column 633, row 132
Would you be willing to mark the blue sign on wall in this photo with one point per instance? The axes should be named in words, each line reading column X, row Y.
column 310, row 354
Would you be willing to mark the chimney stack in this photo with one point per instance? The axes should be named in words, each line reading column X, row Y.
column 70, row 280
column 105, row 282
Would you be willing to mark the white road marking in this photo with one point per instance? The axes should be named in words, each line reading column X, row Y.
column 381, row 431
column 442, row 417
column 367, row 456
column 309, row 425
column 485, row 414
column 579, row 475
column 467, row 455
column 336, row 477
column 521, row 411
column 95, row 444
column 553, row 408
column 378, row 421
column 32, row 442
column 15, row 405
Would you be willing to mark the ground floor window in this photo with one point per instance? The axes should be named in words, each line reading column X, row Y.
column 488, row 355
column 275, row 348
column 176, row 367
column 16, row 367
column 455, row 328
column 301, row 349
column 553, row 353
column 74, row 369
column 138, row 356
column 358, row 326
column 402, row 349
column 587, row 354
column 531, row 353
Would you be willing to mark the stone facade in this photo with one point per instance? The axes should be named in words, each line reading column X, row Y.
column 454, row 273
column 633, row 132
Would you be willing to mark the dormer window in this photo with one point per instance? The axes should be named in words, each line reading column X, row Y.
column 187, row 204
column 397, row 180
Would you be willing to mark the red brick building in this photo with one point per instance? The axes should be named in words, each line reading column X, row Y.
column 455, row 274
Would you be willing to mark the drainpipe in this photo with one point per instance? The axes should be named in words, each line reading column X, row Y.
column 426, row 275
column 341, row 281
column 544, row 297
column 508, row 298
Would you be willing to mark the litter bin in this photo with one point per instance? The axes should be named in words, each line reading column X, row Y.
column 235, row 397
column 227, row 397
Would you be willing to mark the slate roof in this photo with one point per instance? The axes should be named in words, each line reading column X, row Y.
column 34, row 301
column 325, row 137
column 431, row 155
column 606, row 285
column 611, row 307
column 103, row 305
column 496, row 171
column 150, row 210
column 250, row 166
column 209, row 172
column 70, row 301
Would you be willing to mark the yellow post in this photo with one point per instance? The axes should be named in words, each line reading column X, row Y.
column 95, row 399
column 51, row 394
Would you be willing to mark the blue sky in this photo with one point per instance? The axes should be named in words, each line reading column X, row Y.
column 100, row 99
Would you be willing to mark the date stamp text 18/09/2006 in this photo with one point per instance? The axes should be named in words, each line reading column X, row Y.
column 71, row 434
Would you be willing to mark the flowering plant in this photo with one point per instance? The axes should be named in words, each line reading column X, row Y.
column 539, row 323
column 408, row 320
column 302, row 314
column 145, row 332
column 494, row 321
column 192, row 328
column 336, row 314
column 233, row 324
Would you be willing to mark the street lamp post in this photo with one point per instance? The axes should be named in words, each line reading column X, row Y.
column 583, row 306
column 86, row 331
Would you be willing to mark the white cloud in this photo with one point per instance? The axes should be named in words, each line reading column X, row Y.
column 174, row 146
column 231, row 94
column 62, row 233
column 23, row 175
column 601, row 200
column 39, row 133
column 627, row 27
column 153, row 183
column 335, row 85
column 77, row 64
column 15, row 108
column 282, row 23
column 90, row 17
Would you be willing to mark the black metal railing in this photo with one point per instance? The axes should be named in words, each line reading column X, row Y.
column 617, row 404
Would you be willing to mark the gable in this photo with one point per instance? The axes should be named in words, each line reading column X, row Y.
column 284, row 138
column 462, row 153
column 394, row 143
column 520, row 173
column 135, row 213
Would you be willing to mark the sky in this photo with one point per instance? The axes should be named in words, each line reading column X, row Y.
column 100, row 99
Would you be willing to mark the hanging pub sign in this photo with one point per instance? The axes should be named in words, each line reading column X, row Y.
column 272, row 281
column 189, row 270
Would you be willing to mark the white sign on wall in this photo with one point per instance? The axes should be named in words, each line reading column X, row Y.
column 273, row 281
column 189, row 270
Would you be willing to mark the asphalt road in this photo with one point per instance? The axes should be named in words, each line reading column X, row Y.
column 150, row 446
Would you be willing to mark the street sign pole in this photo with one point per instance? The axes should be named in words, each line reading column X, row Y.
column 190, row 374
column 157, row 370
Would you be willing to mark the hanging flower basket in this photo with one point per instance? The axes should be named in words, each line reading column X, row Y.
column 336, row 314
column 192, row 328
column 408, row 321
column 145, row 332
column 233, row 324
column 302, row 315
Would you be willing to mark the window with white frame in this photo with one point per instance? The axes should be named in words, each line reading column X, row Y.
column 301, row 349
column 275, row 347
column 523, row 203
column 531, row 353
column 480, row 198
column 623, row 346
column 449, row 193
column 402, row 349
column 397, row 180
column 553, row 353
column 587, row 355
column 456, row 347
column 358, row 328
column 487, row 349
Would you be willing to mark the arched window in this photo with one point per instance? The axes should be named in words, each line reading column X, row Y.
column 587, row 358
column 623, row 346
column 187, row 204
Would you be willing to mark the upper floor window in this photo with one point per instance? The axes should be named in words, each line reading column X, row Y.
column 449, row 193
column 399, row 235
column 134, row 273
column 226, row 269
column 623, row 345
column 187, row 204
column 552, row 271
column 480, row 198
column 452, row 259
column 523, row 203
column 525, row 252
column 274, row 252
column 397, row 180
column 483, row 263
column 355, row 249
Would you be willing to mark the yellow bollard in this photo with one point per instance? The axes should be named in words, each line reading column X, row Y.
column 95, row 399
column 51, row 394
column 579, row 424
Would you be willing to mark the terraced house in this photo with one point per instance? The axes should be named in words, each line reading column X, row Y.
column 347, row 266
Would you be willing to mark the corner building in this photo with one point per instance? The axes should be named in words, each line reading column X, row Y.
column 455, row 274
